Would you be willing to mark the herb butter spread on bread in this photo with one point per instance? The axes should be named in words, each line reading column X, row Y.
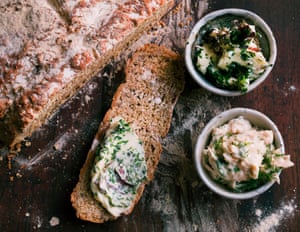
column 154, row 79
column 119, row 168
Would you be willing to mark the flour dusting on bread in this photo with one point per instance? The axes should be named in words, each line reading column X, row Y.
column 50, row 49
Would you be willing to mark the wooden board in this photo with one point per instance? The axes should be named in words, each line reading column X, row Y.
column 35, row 185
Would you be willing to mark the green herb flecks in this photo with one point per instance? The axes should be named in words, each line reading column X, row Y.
column 236, row 77
column 236, row 43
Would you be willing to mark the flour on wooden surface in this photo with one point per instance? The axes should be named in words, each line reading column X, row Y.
column 292, row 88
column 176, row 178
column 270, row 222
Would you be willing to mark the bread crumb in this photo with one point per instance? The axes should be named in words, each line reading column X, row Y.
column 54, row 221
column 27, row 143
column 65, row 157
column 27, row 214
column 18, row 175
column 87, row 99
column 258, row 212
column 10, row 157
column 18, row 147
column 56, row 147
column 61, row 142
column 39, row 222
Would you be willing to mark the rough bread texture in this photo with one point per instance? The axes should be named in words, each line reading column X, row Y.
column 154, row 81
column 50, row 49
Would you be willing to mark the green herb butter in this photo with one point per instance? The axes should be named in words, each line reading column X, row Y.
column 229, row 54
column 119, row 168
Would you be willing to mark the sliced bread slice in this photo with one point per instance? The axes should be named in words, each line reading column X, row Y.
column 154, row 81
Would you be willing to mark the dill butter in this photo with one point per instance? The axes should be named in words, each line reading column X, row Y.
column 119, row 168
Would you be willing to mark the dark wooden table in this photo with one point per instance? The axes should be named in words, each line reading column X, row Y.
column 35, row 186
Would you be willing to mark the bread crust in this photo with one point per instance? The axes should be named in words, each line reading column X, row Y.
column 50, row 49
column 154, row 72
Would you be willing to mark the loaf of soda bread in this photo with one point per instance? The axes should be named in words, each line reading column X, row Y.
column 50, row 49
column 154, row 79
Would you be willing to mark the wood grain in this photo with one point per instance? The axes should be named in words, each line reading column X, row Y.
column 35, row 190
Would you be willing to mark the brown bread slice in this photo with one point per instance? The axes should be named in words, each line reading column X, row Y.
column 50, row 49
column 154, row 81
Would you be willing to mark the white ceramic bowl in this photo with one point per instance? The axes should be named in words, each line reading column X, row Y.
column 256, row 118
column 258, row 22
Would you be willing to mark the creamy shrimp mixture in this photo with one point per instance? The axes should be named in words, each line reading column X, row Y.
column 243, row 157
